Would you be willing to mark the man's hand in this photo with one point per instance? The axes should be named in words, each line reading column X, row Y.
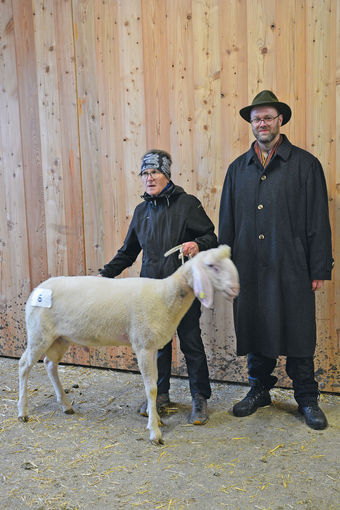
column 190, row 249
column 317, row 284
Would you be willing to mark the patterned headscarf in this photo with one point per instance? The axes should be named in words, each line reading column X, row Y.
column 158, row 160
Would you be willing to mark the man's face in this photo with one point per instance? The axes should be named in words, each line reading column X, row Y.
column 265, row 131
column 154, row 181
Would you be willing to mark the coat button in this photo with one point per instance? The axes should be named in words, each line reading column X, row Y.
column 261, row 236
column 260, row 206
column 263, row 177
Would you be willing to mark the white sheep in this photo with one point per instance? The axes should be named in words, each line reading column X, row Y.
column 143, row 312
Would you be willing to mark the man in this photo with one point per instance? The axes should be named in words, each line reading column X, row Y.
column 274, row 216
column 166, row 218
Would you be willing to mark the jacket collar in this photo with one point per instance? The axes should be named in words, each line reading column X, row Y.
column 283, row 151
column 170, row 190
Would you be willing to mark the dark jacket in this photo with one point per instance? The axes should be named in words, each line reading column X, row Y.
column 158, row 224
column 276, row 222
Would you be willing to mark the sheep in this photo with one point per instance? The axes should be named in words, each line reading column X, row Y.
column 143, row 312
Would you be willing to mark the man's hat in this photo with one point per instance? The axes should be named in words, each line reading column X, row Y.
column 267, row 98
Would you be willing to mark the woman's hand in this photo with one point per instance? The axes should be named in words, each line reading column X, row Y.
column 190, row 249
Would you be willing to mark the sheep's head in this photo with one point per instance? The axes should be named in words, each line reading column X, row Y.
column 214, row 270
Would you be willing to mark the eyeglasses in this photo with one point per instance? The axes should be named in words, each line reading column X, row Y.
column 152, row 173
column 266, row 120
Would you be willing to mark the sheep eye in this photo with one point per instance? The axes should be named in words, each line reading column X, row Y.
column 213, row 267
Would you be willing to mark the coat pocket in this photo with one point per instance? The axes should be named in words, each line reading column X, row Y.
column 301, row 256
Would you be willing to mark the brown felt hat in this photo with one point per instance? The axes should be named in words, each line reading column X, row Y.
column 267, row 98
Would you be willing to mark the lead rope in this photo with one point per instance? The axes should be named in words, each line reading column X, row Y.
column 173, row 250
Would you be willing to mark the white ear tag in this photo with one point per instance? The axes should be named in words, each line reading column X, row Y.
column 42, row 297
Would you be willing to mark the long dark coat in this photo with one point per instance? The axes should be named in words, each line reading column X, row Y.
column 276, row 222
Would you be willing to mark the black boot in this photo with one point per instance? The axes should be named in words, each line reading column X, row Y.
column 257, row 396
column 199, row 415
column 314, row 416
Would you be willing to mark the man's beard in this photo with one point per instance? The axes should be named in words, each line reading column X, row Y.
column 266, row 137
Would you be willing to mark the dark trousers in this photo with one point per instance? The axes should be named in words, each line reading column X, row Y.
column 300, row 371
column 189, row 334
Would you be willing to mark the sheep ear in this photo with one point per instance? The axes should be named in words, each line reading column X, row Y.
column 202, row 286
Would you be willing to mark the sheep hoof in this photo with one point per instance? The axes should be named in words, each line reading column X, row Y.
column 69, row 411
column 157, row 442
column 23, row 419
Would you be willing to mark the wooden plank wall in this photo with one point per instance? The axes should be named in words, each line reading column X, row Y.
column 88, row 85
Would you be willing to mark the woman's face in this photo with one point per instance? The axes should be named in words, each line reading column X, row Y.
column 154, row 181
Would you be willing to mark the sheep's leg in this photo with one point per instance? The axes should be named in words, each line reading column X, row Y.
column 147, row 362
column 51, row 360
column 31, row 355
column 52, row 371
column 24, row 370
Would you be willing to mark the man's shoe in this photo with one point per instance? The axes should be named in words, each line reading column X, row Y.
column 315, row 418
column 257, row 396
column 162, row 401
column 199, row 414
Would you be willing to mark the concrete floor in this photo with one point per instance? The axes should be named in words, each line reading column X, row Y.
column 100, row 457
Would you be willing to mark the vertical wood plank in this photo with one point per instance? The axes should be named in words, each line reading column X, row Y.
column 290, row 58
column 234, row 79
column 156, row 74
column 14, row 260
column 30, row 139
column 207, row 100
column 49, row 115
column 181, row 99
column 110, row 125
column 320, row 85
column 336, row 225
column 261, row 36
column 70, row 157
column 89, row 133
column 133, row 107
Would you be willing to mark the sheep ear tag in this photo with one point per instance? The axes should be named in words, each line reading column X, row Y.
column 42, row 297
column 202, row 287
